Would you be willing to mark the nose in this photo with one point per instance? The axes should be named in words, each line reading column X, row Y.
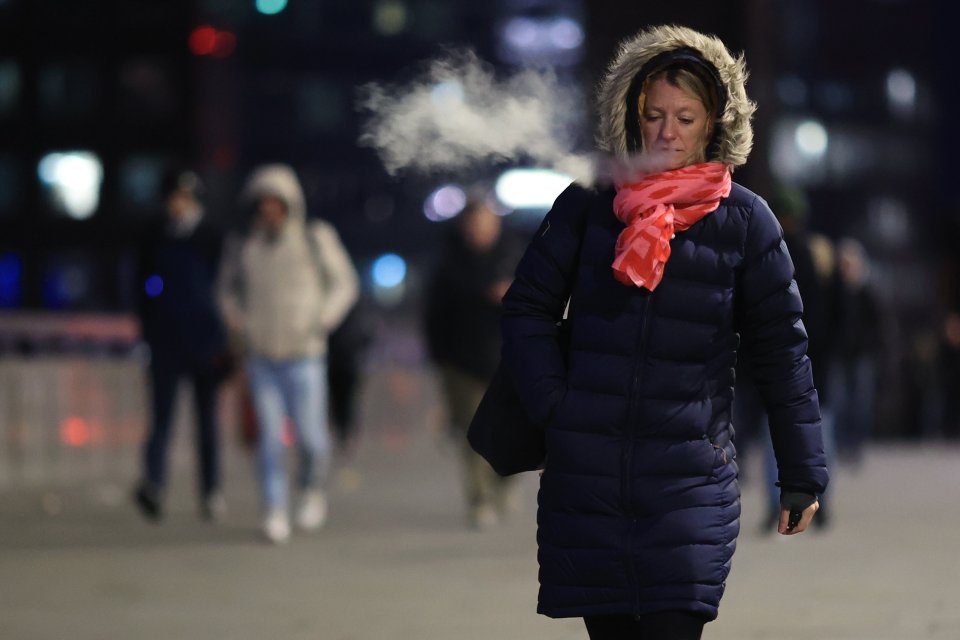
column 668, row 131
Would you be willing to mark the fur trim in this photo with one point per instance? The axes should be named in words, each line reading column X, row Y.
column 735, row 137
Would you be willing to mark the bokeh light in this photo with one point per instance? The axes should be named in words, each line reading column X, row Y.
column 811, row 138
column 389, row 275
column 153, row 286
column 73, row 179
column 389, row 270
column 390, row 17
column 271, row 7
column 444, row 203
column 531, row 188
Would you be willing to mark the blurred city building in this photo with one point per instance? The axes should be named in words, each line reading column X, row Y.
column 98, row 96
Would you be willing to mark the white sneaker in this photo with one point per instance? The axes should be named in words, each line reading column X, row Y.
column 312, row 513
column 214, row 507
column 276, row 526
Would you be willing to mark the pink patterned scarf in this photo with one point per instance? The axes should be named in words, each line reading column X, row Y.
column 654, row 209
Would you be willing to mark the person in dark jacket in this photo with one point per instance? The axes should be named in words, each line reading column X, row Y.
column 348, row 346
column 181, row 325
column 463, row 339
column 671, row 273
column 858, row 324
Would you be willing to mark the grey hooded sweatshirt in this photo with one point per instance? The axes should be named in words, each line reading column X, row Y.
column 283, row 295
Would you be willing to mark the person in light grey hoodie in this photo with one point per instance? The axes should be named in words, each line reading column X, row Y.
column 282, row 289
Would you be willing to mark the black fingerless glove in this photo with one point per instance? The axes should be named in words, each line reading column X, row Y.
column 796, row 500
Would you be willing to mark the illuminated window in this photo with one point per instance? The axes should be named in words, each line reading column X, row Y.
column 799, row 150
column 68, row 90
column 139, row 183
column 71, row 182
column 901, row 92
column 9, row 87
column 389, row 17
column 555, row 40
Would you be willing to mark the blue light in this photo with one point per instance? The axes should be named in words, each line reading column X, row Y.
column 389, row 270
column 11, row 274
column 153, row 286
column 271, row 7
column 65, row 284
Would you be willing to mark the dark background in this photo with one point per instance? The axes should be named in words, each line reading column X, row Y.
column 131, row 82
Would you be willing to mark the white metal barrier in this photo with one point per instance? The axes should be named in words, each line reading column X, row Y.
column 72, row 399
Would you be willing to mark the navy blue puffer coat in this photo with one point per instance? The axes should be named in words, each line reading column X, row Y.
column 639, row 501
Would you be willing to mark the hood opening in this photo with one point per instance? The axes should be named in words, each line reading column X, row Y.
column 703, row 54
column 687, row 58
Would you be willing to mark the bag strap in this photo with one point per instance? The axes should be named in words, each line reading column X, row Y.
column 313, row 244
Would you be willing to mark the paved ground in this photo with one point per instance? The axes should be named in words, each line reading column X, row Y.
column 396, row 561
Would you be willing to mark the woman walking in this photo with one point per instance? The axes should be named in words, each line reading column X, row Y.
column 671, row 274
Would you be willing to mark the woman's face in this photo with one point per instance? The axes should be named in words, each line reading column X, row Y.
column 673, row 125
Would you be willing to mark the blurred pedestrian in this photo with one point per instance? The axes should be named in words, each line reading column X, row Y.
column 857, row 324
column 463, row 337
column 284, row 287
column 348, row 344
column 639, row 503
column 180, row 323
column 945, row 416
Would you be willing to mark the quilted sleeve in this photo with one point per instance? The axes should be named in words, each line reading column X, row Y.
column 774, row 343
column 534, row 306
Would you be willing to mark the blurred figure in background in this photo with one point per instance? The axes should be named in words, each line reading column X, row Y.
column 180, row 323
column 348, row 348
column 283, row 289
column 463, row 338
column 946, row 416
column 856, row 325
column 812, row 256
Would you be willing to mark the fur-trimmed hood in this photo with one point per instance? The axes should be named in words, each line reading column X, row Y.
column 734, row 135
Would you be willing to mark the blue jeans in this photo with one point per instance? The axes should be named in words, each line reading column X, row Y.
column 853, row 389
column 298, row 389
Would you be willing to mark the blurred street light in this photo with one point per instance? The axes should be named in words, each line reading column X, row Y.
column 271, row 7
column 73, row 180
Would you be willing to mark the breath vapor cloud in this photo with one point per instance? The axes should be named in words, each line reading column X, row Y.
column 458, row 114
